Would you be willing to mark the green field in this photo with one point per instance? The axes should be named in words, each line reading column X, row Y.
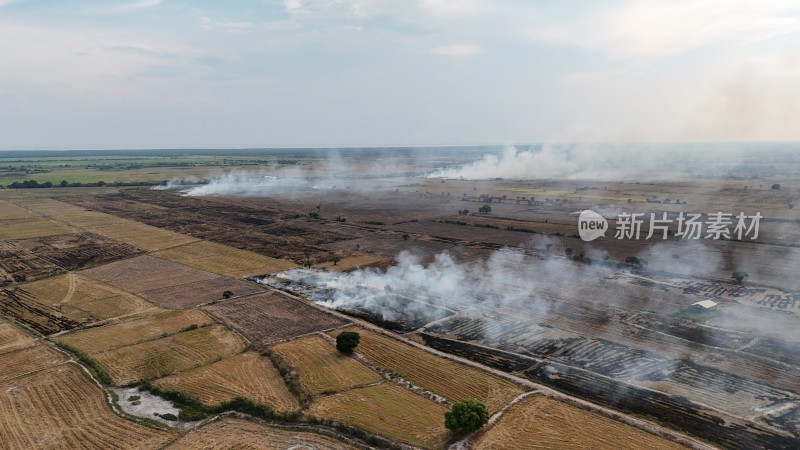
column 122, row 169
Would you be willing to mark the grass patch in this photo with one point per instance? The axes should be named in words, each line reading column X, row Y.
column 192, row 409
column 99, row 372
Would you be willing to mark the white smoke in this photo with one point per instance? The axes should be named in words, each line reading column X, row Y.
column 598, row 161
column 177, row 183
column 507, row 279
column 240, row 182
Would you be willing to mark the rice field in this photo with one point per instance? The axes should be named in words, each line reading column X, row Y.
column 29, row 357
column 539, row 422
column 450, row 379
column 354, row 262
column 84, row 299
column 23, row 307
column 10, row 212
column 271, row 317
column 32, row 229
column 321, row 368
column 224, row 260
column 245, row 435
column 134, row 330
column 146, row 273
column 141, row 235
column 388, row 410
column 246, row 375
column 12, row 337
column 172, row 354
column 61, row 408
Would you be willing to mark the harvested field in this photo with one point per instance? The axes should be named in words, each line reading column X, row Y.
column 23, row 307
column 226, row 221
column 141, row 235
column 146, row 273
column 35, row 229
column 387, row 410
column 16, row 261
column 441, row 376
column 539, row 422
column 10, row 212
column 166, row 356
column 680, row 412
column 33, row 357
column 61, row 408
column 356, row 262
column 85, row 299
column 245, row 435
column 77, row 251
column 271, row 317
column 224, row 260
column 134, row 330
column 321, row 368
column 246, row 375
column 169, row 284
column 13, row 338
column 200, row 292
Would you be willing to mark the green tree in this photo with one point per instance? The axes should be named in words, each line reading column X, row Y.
column 739, row 276
column 347, row 341
column 485, row 209
column 336, row 259
column 466, row 416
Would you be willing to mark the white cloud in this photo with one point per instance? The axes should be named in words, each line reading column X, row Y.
column 139, row 4
column 90, row 63
column 458, row 50
column 658, row 28
column 453, row 8
column 292, row 5
column 233, row 27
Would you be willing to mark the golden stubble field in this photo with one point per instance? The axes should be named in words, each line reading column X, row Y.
column 539, row 422
column 321, row 368
column 450, row 379
column 247, row 375
column 50, row 402
column 244, row 435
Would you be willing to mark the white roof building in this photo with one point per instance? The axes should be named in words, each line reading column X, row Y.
column 705, row 304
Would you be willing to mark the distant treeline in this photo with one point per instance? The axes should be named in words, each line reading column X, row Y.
column 33, row 184
column 270, row 152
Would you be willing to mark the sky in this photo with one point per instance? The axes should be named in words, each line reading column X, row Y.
column 85, row 74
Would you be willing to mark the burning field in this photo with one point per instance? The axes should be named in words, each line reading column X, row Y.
column 230, row 294
column 577, row 327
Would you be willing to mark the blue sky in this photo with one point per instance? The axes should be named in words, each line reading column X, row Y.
column 253, row 73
